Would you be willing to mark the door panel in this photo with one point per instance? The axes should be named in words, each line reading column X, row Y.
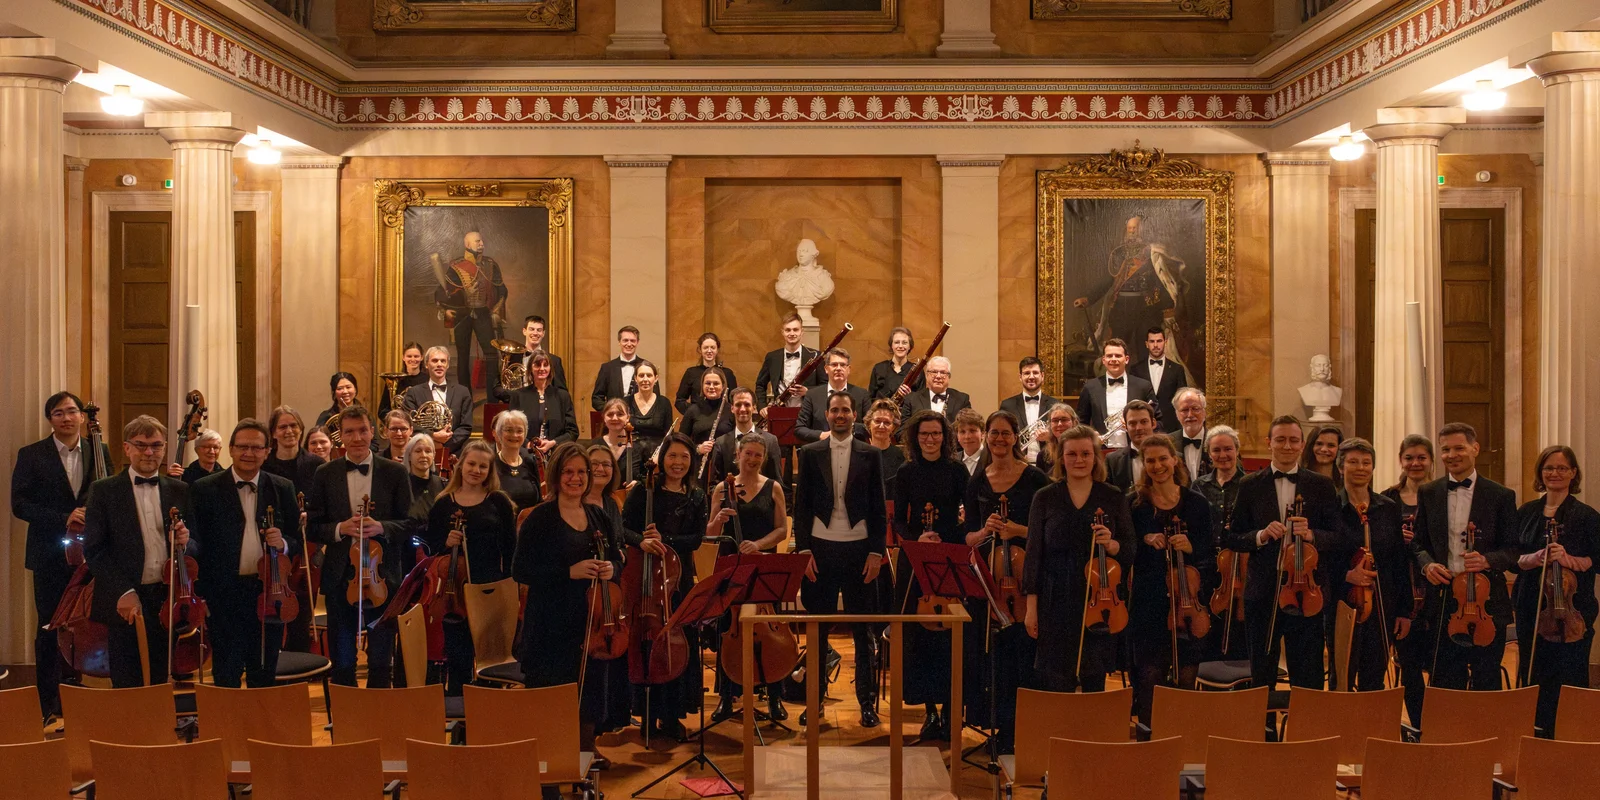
column 1472, row 249
column 141, row 270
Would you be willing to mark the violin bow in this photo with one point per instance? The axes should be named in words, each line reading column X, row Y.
column 261, row 527
column 1173, row 527
column 1538, row 607
column 1077, row 671
column 172, row 593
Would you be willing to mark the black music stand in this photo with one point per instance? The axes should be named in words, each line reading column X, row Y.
column 776, row 580
column 781, row 421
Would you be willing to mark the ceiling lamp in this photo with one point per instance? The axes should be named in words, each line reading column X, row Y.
column 1484, row 98
column 121, row 102
column 1348, row 149
column 264, row 152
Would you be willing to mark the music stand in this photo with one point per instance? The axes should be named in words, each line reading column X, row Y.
column 781, row 422
column 597, row 424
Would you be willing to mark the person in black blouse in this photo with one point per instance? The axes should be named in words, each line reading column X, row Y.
column 515, row 466
column 1361, row 511
column 426, row 485
column 411, row 365
column 1062, row 533
column 689, row 387
column 288, row 459
column 207, row 452
column 724, row 454
column 486, row 533
column 342, row 386
column 548, row 407
column 318, row 444
column 705, row 412
column 625, row 449
column 883, row 420
column 649, row 412
column 604, row 481
column 1322, row 451
column 1062, row 418
column 888, row 376
column 1414, row 651
column 396, row 435
column 1220, row 487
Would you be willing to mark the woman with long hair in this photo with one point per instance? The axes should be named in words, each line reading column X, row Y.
column 1322, row 451
column 1061, row 418
column 691, row 386
column 342, row 387
column 618, row 437
column 650, row 414
column 486, row 534
column 705, row 412
column 411, row 365
column 519, row 479
column 888, row 375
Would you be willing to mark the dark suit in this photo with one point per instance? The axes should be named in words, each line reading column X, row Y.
column 813, row 419
column 113, row 547
column 1119, row 468
column 1494, row 513
column 1303, row 636
column 327, row 506
column 1092, row 399
column 770, row 379
column 922, row 400
column 725, row 449
column 1019, row 410
column 560, row 423
column 217, row 534
column 42, row 496
column 608, row 382
column 458, row 399
column 1173, row 378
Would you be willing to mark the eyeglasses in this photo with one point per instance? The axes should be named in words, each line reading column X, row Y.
column 148, row 447
column 1556, row 469
column 251, row 448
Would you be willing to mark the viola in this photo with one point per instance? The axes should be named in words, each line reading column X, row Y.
column 184, row 614
column 447, row 573
column 658, row 653
column 1558, row 621
column 1006, row 561
column 368, row 588
column 1105, row 611
column 1419, row 584
column 1186, row 617
column 1298, row 592
column 277, row 602
column 608, row 634
column 1470, row 624
column 1360, row 598
column 934, row 603
column 772, row 644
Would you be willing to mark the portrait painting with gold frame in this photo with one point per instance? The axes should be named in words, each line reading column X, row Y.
column 802, row 16
column 1130, row 241
column 475, row 15
column 426, row 227
column 1132, row 9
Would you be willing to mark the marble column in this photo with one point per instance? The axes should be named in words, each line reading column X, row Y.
column 639, row 251
column 77, row 274
column 1569, row 330
column 33, row 78
column 202, row 264
column 967, row 30
column 1408, row 271
column 1300, row 273
column 638, row 32
column 971, row 273
column 310, row 281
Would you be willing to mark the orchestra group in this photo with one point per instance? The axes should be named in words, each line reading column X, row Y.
column 1122, row 531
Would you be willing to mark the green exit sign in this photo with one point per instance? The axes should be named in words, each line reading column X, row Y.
column 1441, row 182
column 167, row 184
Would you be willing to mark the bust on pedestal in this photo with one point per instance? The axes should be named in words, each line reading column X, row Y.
column 805, row 285
column 1319, row 395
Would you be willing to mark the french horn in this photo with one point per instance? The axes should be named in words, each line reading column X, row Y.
column 513, row 375
column 331, row 428
column 431, row 416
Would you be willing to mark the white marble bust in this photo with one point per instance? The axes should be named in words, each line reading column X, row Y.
column 1319, row 395
column 807, row 283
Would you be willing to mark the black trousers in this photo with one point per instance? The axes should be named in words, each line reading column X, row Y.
column 49, row 584
column 478, row 322
column 242, row 646
column 839, row 566
column 1369, row 654
column 1414, row 654
column 342, row 628
column 122, row 641
column 1557, row 664
column 1469, row 667
column 1301, row 640
column 458, row 657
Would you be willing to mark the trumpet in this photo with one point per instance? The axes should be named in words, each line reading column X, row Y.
column 1114, row 426
column 1031, row 434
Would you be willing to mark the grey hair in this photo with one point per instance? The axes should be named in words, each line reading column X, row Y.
column 1223, row 430
column 435, row 349
column 411, row 447
column 509, row 416
column 942, row 360
column 206, row 435
column 1187, row 391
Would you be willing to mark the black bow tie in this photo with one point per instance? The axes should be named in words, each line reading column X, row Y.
column 1115, row 381
column 1158, row 362
column 939, row 398
column 1027, row 399
column 1292, row 477
column 1198, row 443
column 251, row 485
column 1465, row 483
column 832, row 392
column 789, row 355
column 438, row 387
column 138, row 481
column 361, row 468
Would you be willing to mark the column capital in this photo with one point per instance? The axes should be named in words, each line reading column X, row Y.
column 1412, row 125
column 1561, row 56
column 195, row 128
column 1297, row 162
column 971, row 165
column 638, row 162
column 312, row 162
column 76, row 164
column 42, row 60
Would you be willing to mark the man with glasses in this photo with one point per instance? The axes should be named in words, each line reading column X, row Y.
column 938, row 396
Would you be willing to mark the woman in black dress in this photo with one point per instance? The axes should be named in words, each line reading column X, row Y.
column 1061, row 532
column 291, row 461
column 599, row 496
column 519, row 476
column 618, row 437
column 927, row 495
column 1414, row 651
column 1220, row 487
column 563, row 547
column 1008, row 476
column 1168, row 518
column 207, row 455
column 1555, row 663
column 1363, row 512
column 1062, row 418
column 689, row 386
column 487, row 535
column 679, row 524
column 411, row 365
column 649, row 412
column 883, row 419
column 342, row 386
column 705, row 411
column 888, row 375
column 549, row 417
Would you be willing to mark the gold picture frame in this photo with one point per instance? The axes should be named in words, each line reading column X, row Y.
column 556, row 16
column 392, row 200
column 1132, row 9
column 736, row 16
column 1148, row 178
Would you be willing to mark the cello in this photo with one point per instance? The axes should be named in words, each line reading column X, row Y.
column 773, row 644
column 656, row 653
column 447, row 573
column 1360, row 597
column 934, row 603
column 184, row 614
column 1005, row 563
column 1299, row 595
column 1470, row 624
column 277, row 602
column 1103, row 608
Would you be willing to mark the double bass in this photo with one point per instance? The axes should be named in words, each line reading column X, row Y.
column 74, row 541
column 1103, row 609
column 1006, row 560
column 194, row 418
column 657, row 653
column 772, row 644
column 1470, row 624
column 184, row 614
column 277, row 602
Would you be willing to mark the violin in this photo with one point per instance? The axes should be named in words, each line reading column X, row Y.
column 1470, row 624
column 447, row 573
column 1360, row 597
column 1186, row 617
column 1298, row 592
column 607, row 637
column 657, row 654
column 1558, row 621
column 184, row 614
column 303, row 561
column 1006, row 560
column 620, row 494
column 368, row 588
column 277, row 602
column 1233, row 566
column 773, row 645
column 1104, row 611
column 1419, row 585
column 934, row 603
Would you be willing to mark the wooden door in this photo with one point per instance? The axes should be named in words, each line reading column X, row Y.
column 138, row 302
column 244, row 265
column 1365, row 333
column 1472, row 251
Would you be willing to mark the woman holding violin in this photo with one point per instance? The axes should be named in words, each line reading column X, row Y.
column 513, row 464
column 1220, row 488
column 1554, row 597
column 1376, row 564
column 1172, row 565
column 996, row 506
column 1080, row 540
column 617, row 436
column 1414, row 651
column 472, row 534
column 565, row 548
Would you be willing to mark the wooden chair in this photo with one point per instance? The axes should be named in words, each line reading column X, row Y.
column 141, row 716
column 473, row 772
column 492, row 616
column 1041, row 716
column 548, row 715
column 1257, row 770
column 20, row 716
column 1353, row 717
column 1451, row 716
column 1578, row 715
column 351, row 771
column 1558, row 770
column 1405, row 771
column 160, row 772
column 34, row 770
column 278, row 714
column 1115, row 771
column 1194, row 716
column 390, row 716
column 414, row 645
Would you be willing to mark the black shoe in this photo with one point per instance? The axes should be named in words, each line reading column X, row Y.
column 944, row 727
column 672, row 729
column 775, row 710
column 802, row 719
column 869, row 717
column 724, row 710
column 930, row 726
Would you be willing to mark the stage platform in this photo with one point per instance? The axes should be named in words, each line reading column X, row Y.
column 858, row 773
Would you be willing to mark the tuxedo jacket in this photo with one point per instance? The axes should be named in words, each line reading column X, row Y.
column 329, row 504
column 458, row 398
column 725, row 449
column 1119, row 468
column 863, row 492
column 608, row 383
column 922, row 400
column 1019, row 409
column 813, row 419
column 1092, row 399
column 1257, row 506
column 1493, row 512
column 216, row 530
column 560, row 422
column 42, row 496
column 1173, row 378
column 113, row 542
column 770, row 379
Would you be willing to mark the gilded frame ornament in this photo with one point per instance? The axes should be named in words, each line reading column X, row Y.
column 1131, row 9
column 1135, row 174
column 723, row 17
column 443, row 15
column 393, row 197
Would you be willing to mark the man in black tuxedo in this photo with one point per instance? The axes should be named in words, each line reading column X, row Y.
column 780, row 366
column 1162, row 373
column 1189, row 405
column 1032, row 403
column 1101, row 399
column 1124, row 467
column 724, row 452
column 1445, row 507
column 937, row 396
column 331, row 519
column 456, row 397
column 48, row 489
column 1261, row 521
column 125, row 544
column 230, row 529
column 840, row 520
column 615, row 378
column 812, row 424
column 533, row 331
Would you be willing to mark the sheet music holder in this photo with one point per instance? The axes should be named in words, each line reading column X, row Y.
column 781, row 422
column 776, row 579
column 951, row 570
column 712, row 596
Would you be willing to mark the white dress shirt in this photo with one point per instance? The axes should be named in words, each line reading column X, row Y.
column 792, row 362
column 838, row 527
column 440, row 390
column 935, row 403
column 72, row 462
column 151, row 528
column 1192, row 454
column 250, row 545
column 1031, row 410
column 1116, row 398
column 627, row 373
column 1459, row 509
column 359, row 485
column 971, row 462
column 1286, row 491
column 1157, row 369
